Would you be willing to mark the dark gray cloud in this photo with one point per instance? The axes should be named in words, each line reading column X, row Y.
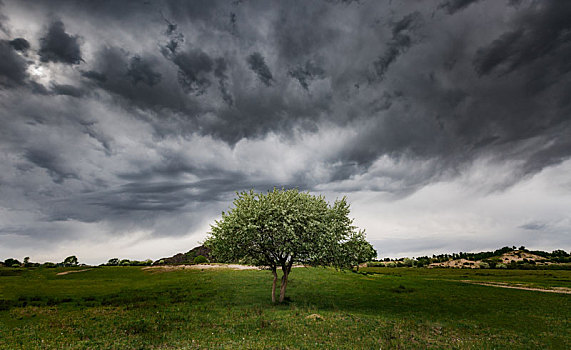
column 193, row 69
column 302, row 30
column 114, row 71
column 141, row 71
column 20, row 44
column 400, row 42
column 258, row 65
column 3, row 19
column 59, row 46
column 12, row 65
column 175, row 39
column 306, row 73
column 96, row 76
column 220, row 72
column 54, row 165
column 453, row 6
column 534, row 226
column 105, row 141
column 68, row 90
column 541, row 31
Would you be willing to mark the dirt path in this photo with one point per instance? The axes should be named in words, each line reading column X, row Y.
column 224, row 266
column 206, row 266
column 66, row 272
column 201, row 267
column 560, row 290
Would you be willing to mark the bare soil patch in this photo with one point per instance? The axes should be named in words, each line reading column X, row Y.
column 66, row 272
column 165, row 268
column 201, row 267
column 560, row 290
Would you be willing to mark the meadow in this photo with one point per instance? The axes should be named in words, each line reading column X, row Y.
column 377, row 308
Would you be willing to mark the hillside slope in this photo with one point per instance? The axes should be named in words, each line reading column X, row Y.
column 185, row 258
column 513, row 257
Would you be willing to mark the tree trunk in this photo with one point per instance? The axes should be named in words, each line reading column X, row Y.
column 275, row 273
column 284, row 286
column 286, row 269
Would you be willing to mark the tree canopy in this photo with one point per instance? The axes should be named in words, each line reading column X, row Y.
column 286, row 227
column 70, row 261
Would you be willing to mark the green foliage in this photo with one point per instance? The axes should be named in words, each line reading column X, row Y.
column 70, row 261
column 375, row 264
column 127, row 262
column 484, row 265
column 284, row 227
column 287, row 227
column 407, row 262
column 10, row 262
column 357, row 250
column 201, row 259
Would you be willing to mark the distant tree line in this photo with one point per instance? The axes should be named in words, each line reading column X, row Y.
column 488, row 259
column 72, row 260
column 67, row 262
column 127, row 262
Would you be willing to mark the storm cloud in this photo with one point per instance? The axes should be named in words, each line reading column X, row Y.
column 133, row 119
column 12, row 66
column 304, row 74
column 258, row 65
column 59, row 46
column 193, row 70
column 453, row 6
column 20, row 44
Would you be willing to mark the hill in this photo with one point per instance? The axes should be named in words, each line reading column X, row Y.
column 506, row 257
column 185, row 258
column 503, row 261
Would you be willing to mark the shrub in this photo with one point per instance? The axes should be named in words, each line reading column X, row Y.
column 407, row 262
column 12, row 263
column 484, row 265
column 201, row 259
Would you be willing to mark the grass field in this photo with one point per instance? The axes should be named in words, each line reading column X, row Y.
column 131, row 308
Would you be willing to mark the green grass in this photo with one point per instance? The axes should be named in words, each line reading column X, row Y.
column 128, row 308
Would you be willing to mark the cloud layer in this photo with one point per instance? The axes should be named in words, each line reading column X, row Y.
column 132, row 119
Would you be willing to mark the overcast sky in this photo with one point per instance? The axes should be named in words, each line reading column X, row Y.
column 128, row 126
